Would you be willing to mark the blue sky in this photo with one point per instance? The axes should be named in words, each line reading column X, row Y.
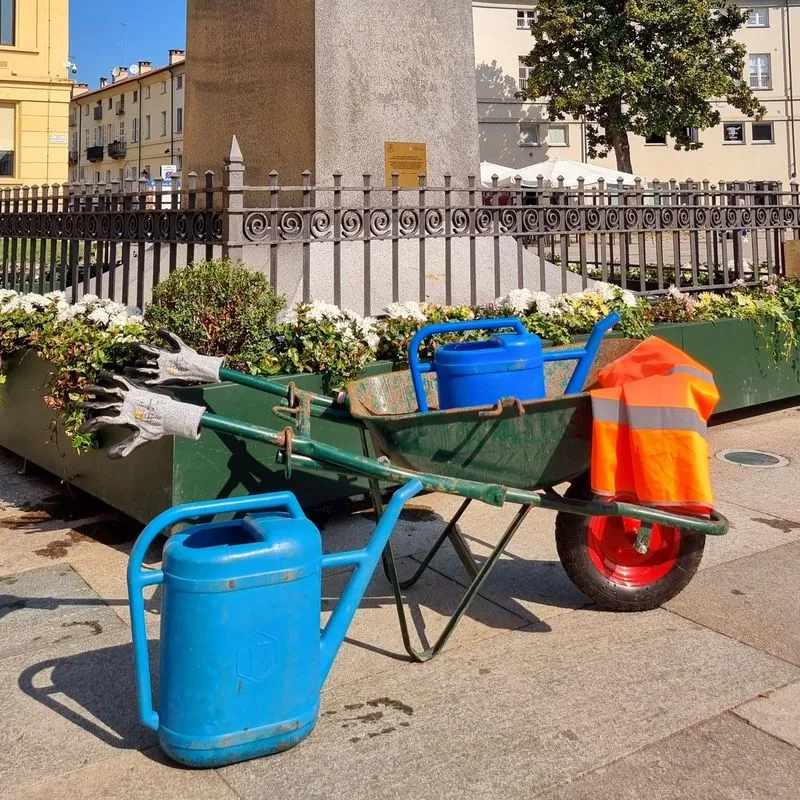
column 105, row 34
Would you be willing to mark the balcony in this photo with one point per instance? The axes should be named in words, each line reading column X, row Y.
column 118, row 149
column 73, row 157
column 94, row 154
column 73, row 120
column 120, row 108
column 98, row 112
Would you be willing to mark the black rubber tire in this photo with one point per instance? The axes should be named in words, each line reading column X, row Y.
column 573, row 551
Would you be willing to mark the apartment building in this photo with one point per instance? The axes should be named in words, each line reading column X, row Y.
column 131, row 126
column 34, row 91
column 518, row 134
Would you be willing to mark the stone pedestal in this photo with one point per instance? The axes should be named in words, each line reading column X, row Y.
column 322, row 85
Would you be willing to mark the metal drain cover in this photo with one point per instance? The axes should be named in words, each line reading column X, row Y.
column 756, row 459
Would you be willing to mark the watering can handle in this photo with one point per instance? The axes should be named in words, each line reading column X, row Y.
column 586, row 356
column 365, row 562
column 139, row 578
column 418, row 368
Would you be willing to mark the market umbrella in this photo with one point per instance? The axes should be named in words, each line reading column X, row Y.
column 505, row 174
column 570, row 171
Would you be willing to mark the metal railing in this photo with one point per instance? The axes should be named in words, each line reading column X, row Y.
column 365, row 245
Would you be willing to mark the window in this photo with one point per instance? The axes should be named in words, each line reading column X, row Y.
column 524, row 74
column 655, row 138
column 74, row 141
column 758, row 18
column 121, row 175
column 146, row 92
column 136, row 96
column 179, row 82
column 97, row 177
column 8, row 138
column 83, row 173
column 558, row 135
column 110, row 103
column 146, row 170
column 122, row 131
column 179, row 163
column 86, row 111
column 528, row 134
column 163, row 123
column 762, row 133
column 109, row 133
column 733, row 132
column 147, row 127
column 73, row 176
column 179, row 121
column 8, row 13
column 692, row 135
column 135, row 131
column 163, row 87
column 760, row 71
column 524, row 20
column 108, row 176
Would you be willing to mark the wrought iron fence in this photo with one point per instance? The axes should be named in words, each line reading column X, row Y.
column 365, row 245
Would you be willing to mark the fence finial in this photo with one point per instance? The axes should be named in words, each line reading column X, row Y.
column 235, row 156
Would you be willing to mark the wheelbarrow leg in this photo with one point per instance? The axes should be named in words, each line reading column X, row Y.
column 429, row 652
column 456, row 538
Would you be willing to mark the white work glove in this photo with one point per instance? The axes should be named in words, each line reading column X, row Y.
column 176, row 367
column 150, row 415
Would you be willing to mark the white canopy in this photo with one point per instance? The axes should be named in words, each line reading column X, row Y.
column 505, row 174
column 570, row 171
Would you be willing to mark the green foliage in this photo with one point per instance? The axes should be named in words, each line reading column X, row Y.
column 221, row 309
column 638, row 66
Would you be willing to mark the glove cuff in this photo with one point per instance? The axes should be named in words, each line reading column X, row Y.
column 182, row 419
column 208, row 368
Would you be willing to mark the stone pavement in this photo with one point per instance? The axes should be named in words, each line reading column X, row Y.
column 539, row 694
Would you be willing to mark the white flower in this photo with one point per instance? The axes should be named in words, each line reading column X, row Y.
column 99, row 315
column 409, row 310
column 629, row 298
column 607, row 291
column 35, row 300
column 517, row 300
column 318, row 310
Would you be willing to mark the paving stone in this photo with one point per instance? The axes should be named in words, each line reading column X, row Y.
column 133, row 776
column 374, row 643
column 750, row 532
column 69, row 707
column 721, row 759
column 755, row 600
column 519, row 714
column 776, row 713
column 47, row 606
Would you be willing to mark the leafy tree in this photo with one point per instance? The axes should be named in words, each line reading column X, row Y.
column 638, row 66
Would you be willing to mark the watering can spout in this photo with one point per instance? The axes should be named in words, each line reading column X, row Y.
column 365, row 562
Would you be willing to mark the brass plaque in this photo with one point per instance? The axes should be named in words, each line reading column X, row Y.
column 791, row 251
column 408, row 159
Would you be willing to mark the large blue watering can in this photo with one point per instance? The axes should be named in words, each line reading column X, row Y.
column 506, row 365
column 242, row 660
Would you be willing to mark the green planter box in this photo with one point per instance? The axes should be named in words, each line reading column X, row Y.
column 164, row 473
column 171, row 471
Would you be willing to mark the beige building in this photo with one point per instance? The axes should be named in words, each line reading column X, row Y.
column 131, row 126
column 517, row 134
column 34, row 91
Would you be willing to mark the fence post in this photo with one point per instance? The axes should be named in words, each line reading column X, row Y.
column 233, row 212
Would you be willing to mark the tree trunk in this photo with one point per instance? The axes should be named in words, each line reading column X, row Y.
column 622, row 148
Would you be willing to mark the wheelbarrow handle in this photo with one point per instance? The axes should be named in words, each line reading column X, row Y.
column 585, row 356
column 418, row 368
column 139, row 578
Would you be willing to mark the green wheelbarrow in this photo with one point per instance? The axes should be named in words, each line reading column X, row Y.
column 537, row 454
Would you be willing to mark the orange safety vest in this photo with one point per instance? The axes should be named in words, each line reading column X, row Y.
column 649, row 440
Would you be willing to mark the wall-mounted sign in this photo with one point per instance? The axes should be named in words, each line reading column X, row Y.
column 408, row 159
column 58, row 138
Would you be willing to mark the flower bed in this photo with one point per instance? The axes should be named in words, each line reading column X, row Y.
column 747, row 337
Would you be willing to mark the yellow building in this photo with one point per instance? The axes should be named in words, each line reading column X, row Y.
column 131, row 127
column 34, row 91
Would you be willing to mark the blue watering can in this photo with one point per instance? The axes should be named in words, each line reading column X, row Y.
column 506, row 365
column 242, row 660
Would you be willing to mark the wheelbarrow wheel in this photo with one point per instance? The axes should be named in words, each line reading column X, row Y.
column 598, row 555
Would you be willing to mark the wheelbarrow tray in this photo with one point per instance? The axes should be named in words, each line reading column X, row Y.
column 549, row 444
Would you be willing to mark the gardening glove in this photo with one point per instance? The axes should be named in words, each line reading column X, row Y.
column 178, row 366
column 150, row 415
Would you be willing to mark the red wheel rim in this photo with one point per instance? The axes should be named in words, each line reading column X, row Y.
column 611, row 540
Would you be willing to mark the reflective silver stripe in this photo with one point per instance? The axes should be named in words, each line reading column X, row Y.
column 646, row 418
column 698, row 373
